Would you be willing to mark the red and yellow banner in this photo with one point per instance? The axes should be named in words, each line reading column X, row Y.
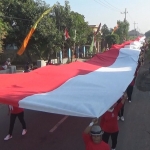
column 115, row 28
column 26, row 40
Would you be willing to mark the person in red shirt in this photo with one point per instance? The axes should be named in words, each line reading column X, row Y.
column 16, row 112
column 92, row 137
column 109, row 123
column 137, row 69
column 131, row 85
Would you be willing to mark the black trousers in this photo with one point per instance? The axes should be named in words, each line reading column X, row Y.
column 12, row 121
column 114, row 137
column 121, row 112
column 129, row 92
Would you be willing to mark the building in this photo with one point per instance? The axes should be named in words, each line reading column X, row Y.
column 94, row 27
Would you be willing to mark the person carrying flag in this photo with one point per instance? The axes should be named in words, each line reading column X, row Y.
column 15, row 112
column 92, row 137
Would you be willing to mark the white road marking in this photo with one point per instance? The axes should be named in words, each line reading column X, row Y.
column 58, row 124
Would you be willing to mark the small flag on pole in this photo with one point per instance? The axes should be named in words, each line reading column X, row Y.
column 66, row 34
column 115, row 28
column 91, row 46
column 98, row 29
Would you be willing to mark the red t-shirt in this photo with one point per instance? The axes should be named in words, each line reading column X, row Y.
column 109, row 121
column 133, row 82
column 137, row 69
column 90, row 145
column 15, row 110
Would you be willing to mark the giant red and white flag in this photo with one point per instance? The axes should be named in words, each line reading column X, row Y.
column 85, row 89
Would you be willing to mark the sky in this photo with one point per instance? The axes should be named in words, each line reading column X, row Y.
column 109, row 11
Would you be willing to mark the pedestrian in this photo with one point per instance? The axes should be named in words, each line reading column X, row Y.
column 15, row 112
column 131, row 85
column 92, row 137
column 6, row 64
column 130, row 90
column 121, row 112
column 109, row 123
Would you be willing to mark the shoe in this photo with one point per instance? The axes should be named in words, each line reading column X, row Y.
column 129, row 101
column 118, row 118
column 122, row 118
column 8, row 137
column 24, row 131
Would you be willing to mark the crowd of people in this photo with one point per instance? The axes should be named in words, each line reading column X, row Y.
column 96, row 136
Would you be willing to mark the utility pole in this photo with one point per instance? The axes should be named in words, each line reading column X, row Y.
column 134, row 28
column 125, row 12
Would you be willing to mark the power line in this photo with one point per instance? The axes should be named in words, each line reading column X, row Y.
column 103, row 4
column 130, row 16
column 112, row 5
column 108, row 5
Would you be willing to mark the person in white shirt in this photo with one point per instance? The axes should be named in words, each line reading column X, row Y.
column 7, row 63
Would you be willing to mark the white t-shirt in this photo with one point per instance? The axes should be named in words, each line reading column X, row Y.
column 5, row 66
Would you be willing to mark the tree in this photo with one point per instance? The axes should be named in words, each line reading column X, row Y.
column 77, row 27
column 147, row 34
column 3, row 33
column 48, row 38
column 3, row 30
column 22, row 15
column 105, row 31
column 122, row 31
column 112, row 39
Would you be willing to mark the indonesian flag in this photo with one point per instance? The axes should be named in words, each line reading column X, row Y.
column 66, row 34
column 85, row 89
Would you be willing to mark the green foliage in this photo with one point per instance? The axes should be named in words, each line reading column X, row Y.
column 122, row 31
column 48, row 38
column 49, row 35
column 147, row 34
column 2, row 33
column 3, row 29
column 105, row 31
column 112, row 39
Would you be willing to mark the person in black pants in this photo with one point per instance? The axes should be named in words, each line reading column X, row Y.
column 14, row 113
column 109, row 123
column 113, row 136
column 130, row 90
column 121, row 112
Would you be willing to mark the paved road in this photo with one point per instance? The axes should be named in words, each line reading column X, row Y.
column 134, row 132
